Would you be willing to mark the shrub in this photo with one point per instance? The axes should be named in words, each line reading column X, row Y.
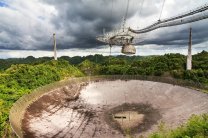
column 196, row 127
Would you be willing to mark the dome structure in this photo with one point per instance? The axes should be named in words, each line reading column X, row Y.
column 128, row 49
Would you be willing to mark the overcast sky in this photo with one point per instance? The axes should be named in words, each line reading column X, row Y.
column 26, row 26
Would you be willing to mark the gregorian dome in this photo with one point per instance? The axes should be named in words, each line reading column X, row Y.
column 128, row 49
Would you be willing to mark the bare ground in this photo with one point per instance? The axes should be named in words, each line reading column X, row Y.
column 61, row 113
column 150, row 116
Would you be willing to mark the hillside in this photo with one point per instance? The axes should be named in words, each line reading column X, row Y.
column 22, row 79
column 168, row 65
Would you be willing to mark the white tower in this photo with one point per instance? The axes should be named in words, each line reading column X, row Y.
column 54, row 44
column 189, row 57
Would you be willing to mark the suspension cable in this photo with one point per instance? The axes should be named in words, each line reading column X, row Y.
column 162, row 9
column 140, row 10
column 190, row 8
column 112, row 6
column 141, row 6
column 189, row 17
column 132, row 62
column 111, row 17
column 126, row 14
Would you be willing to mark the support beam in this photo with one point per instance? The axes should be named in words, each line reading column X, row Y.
column 54, row 44
column 189, row 56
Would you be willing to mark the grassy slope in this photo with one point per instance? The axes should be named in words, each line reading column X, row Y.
column 22, row 79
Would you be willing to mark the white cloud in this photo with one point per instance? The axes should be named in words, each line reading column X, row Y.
column 25, row 22
column 104, row 50
column 29, row 25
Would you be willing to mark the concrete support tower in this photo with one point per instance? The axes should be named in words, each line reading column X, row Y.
column 54, row 44
column 189, row 57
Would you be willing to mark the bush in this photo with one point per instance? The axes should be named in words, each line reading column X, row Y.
column 196, row 127
column 178, row 74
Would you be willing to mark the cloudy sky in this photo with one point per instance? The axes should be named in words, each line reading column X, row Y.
column 26, row 26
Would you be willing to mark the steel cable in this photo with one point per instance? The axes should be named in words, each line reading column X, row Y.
column 162, row 9
column 178, row 20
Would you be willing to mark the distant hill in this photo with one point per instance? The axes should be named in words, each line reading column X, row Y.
column 6, row 63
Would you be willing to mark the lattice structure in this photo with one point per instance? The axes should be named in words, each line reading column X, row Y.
column 118, row 37
column 124, row 37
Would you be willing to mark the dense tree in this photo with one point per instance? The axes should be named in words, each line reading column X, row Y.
column 89, row 68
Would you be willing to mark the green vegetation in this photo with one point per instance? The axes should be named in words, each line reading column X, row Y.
column 21, row 76
column 22, row 79
column 89, row 67
column 169, row 65
column 196, row 127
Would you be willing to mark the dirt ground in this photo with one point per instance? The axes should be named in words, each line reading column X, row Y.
column 139, row 117
column 128, row 119
column 61, row 113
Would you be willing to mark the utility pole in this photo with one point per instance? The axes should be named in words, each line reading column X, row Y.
column 189, row 57
column 54, row 44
